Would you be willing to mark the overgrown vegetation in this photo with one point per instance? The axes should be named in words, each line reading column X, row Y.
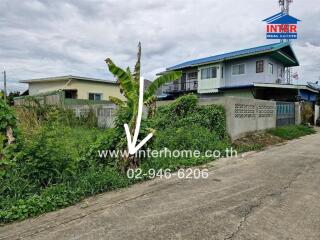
column 292, row 131
column 306, row 113
column 55, row 162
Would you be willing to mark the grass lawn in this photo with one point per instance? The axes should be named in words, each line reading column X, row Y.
column 291, row 131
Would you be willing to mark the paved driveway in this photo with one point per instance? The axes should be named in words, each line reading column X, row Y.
column 273, row 194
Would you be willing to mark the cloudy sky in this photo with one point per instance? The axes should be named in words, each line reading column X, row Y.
column 43, row 38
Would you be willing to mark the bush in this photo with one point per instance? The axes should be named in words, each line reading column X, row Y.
column 45, row 159
column 185, row 112
column 307, row 113
column 7, row 119
column 183, row 125
column 107, row 140
column 61, row 195
column 292, row 131
column 192, row 137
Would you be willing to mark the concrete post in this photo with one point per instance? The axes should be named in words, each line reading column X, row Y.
column 297, row 113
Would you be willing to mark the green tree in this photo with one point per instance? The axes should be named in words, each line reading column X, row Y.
column 129, row 85
column 7, row 122
column 11, row 96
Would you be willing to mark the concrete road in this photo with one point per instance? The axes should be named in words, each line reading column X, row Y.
column 273, row 194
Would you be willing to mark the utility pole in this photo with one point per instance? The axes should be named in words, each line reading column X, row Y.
column 5, row 86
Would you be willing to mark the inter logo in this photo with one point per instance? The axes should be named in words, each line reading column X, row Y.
column 281, row 26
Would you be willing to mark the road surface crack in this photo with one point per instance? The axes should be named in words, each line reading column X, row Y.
column 260, row 201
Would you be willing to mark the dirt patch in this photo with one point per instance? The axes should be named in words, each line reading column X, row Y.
column 256, row 141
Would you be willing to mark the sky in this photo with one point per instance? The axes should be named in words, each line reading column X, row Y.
column 46, row 38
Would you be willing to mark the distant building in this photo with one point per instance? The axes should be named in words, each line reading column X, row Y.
column 257, row 72
column 75, row 87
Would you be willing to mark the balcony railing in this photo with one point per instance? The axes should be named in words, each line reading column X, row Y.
column 187, row 86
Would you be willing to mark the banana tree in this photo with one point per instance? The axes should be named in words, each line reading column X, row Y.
column 129, row 86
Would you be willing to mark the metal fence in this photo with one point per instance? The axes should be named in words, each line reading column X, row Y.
column 180, row 86
column 285, row 113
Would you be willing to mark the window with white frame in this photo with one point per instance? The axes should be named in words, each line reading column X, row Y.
column 209, row 72
column 270, row 68
column 95, row 96
column 238, row 69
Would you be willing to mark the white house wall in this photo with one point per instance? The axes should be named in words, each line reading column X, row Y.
column 210, row 85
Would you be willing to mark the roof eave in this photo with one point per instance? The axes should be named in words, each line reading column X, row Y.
column 66, row 78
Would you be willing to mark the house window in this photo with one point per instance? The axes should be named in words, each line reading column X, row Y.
column 71, row 94
column 270, row 68
column 221, row 72
column 95, row 96
column 259, row 66
column 238, row 69
column 208, row 73
column 192, row 75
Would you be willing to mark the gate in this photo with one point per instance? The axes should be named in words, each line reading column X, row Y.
column 285, row 113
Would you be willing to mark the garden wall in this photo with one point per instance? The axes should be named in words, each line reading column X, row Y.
column 103, row 112
column 316, row 113
column 245, row 115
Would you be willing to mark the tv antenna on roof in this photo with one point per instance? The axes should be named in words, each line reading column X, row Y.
column 285, row 8
column 285, row 5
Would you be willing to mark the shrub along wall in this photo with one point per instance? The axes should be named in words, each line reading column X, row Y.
column 184, row 125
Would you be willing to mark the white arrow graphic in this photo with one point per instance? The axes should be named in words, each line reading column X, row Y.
column 132, row 148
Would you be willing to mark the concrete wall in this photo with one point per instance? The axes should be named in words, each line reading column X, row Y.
column 316, row 113
column 245, row 115
column 297, row 116
column 83, row 87
column 104, row 113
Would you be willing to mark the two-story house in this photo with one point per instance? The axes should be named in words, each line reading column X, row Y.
column 257, row 72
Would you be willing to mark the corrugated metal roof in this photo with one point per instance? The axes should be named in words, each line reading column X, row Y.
column 230, row 55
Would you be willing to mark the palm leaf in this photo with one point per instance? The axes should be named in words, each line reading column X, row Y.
column 165, row 78
column 150, row 100
column 123, row 77
column 117, row 101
